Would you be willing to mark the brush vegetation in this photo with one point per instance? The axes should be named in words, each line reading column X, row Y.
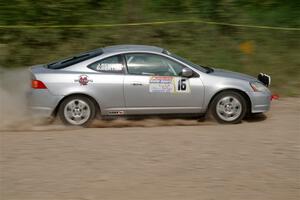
column 247, row 50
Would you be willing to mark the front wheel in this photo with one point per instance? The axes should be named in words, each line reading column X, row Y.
column 77, row 111
column 228, row 107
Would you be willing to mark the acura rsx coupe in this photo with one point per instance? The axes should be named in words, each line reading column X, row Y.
column 126, row 80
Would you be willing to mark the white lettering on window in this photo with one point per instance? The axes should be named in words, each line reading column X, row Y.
column 109, row 67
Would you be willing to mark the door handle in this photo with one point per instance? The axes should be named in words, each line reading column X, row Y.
column 136, row 84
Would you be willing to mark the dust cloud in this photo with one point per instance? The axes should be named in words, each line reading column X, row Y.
column 13, row 87
column 120, row 123
column 14, row 113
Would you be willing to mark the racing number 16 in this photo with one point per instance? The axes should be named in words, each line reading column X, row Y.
column 181, row 85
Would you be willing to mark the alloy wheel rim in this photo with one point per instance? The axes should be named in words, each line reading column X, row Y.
column 77, row 112
column 229, row 108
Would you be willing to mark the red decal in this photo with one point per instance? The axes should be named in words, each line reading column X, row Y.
column 83, row 80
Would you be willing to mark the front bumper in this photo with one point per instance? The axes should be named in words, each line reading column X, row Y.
column 42, row 102
column 260, row 101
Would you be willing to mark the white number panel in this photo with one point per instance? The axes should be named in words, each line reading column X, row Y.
column 182, row 85
column 169, row 84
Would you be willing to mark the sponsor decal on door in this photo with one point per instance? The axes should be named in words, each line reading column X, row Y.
column 168, row 84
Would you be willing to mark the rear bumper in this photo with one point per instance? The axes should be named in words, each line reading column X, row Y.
column 260, row 101
column 42, row 102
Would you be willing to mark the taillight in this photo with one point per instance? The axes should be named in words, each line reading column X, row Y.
column 36, row 84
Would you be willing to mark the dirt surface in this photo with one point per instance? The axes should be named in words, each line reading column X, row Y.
column 258, row 159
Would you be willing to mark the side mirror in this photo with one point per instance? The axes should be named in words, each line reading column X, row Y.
column 187, row 72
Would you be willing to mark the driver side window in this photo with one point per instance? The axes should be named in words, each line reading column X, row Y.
column 152, row 65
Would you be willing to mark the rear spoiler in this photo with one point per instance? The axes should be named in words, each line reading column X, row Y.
column 265, row 79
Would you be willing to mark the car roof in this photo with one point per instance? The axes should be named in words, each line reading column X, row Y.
column 122, row 48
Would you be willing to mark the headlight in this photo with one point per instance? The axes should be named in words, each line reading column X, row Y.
column 258, row 87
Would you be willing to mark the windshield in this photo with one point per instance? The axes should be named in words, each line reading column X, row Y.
column 187, row 62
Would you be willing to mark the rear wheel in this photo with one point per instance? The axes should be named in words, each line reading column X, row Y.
column 77, row 111
column 228, row 107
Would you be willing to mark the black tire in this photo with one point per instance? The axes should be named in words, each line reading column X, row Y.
column 240, row 108
column 87, row 104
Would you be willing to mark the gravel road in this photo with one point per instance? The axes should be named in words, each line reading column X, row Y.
column 256, row 160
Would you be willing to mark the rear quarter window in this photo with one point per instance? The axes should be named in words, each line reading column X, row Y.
column 112, row 64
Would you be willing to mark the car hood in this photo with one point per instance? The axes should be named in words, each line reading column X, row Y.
column 231, row 74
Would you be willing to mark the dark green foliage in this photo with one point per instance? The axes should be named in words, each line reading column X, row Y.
column 272, row 51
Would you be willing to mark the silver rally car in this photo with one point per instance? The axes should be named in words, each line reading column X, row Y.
column 142, row 80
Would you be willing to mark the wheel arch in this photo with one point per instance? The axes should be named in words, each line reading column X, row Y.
column 241, row 92
column 98, row 110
